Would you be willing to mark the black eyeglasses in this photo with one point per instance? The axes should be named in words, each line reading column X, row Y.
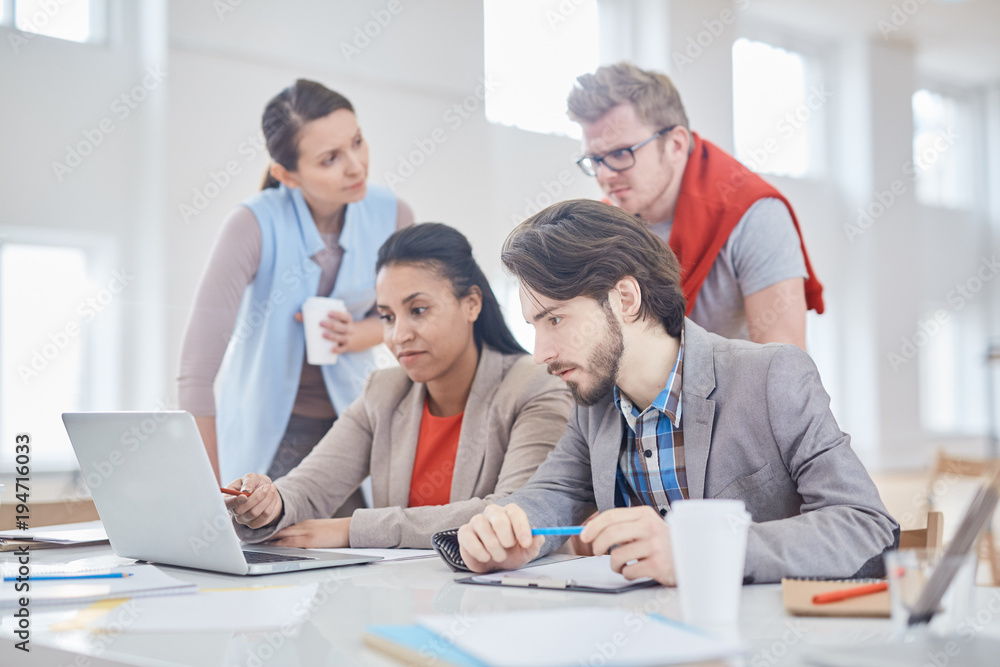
column 617, row 160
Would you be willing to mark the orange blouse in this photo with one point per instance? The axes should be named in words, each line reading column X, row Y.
column 437, row 446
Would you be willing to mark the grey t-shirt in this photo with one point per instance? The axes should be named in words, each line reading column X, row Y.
column 762, row 250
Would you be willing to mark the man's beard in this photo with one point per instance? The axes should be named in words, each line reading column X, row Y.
column 603, row 364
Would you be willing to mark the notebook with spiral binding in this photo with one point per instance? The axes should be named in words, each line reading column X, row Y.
column 445, row 543
column 797, row 595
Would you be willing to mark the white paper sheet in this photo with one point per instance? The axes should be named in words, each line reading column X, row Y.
column 580, row 636
column 386, row 554
column 67, row 533
column 235, row 610
column 145, row 580
column 592, row 572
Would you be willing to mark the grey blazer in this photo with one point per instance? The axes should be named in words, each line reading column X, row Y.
column 515, row 414
column 758, row 428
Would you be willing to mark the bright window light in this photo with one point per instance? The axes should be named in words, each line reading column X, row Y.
column 938, row 362
column 62, row 19
column 42, row 346
column 535, row 50
column 775, row 114
column 937, row 155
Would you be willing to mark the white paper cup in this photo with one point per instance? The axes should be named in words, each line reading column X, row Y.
column 709, row 542
column 316, row 309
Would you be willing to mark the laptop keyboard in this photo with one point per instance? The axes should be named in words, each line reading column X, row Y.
column 264, row 557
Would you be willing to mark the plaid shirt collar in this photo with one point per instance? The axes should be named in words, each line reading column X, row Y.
column 667, row 401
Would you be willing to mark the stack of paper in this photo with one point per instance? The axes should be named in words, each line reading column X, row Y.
column 64, row 535
column 144, row 580
column 221, row 610
column 385, row 554
column 552, row 638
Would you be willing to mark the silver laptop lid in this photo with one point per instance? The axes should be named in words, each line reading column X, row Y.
column 154, row 489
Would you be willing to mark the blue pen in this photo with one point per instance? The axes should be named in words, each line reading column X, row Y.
column 116, row 575
column 558, row 530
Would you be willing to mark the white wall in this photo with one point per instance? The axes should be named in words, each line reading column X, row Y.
column 403, row 85
column 880, row 285
column 222, row 70
column 63, row 103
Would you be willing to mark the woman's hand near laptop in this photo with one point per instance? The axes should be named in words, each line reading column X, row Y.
column 315, row 534
column 262, row 507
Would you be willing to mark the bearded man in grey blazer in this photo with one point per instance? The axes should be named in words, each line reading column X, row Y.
column 668, row 412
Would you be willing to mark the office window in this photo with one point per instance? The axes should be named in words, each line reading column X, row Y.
column 535, row 50
column 777, row 110
column 940, row 158
column 73, row 20
column 43, row 318
column 953, row 375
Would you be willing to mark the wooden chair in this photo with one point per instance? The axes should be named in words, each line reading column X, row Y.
column 931, row 537
column 982, row 469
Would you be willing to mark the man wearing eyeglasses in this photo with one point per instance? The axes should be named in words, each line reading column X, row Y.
column 745, row 270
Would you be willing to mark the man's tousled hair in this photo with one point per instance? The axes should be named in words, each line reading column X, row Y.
column 583, row 247
column 656, row 100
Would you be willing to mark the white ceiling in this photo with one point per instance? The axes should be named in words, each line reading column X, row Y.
column 956, row 41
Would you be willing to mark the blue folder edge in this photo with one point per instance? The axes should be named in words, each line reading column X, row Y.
column 421, row 641
column 424, row 643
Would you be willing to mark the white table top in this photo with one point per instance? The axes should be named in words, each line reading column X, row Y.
column 395, row 593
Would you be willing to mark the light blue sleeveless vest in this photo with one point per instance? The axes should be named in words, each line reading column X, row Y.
column 263, row 362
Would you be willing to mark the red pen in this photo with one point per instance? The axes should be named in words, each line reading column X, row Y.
column 233, row 492
column 848, row 593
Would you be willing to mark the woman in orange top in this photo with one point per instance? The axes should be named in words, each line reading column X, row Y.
column 465, row 419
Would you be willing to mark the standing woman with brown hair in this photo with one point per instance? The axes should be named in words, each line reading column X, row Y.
column 314, row 229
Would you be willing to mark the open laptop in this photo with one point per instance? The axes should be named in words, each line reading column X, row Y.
column 155, row 491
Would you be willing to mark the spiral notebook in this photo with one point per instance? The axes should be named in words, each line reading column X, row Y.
column 797, row 595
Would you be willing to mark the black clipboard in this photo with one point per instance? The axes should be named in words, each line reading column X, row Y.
column 549, row 583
